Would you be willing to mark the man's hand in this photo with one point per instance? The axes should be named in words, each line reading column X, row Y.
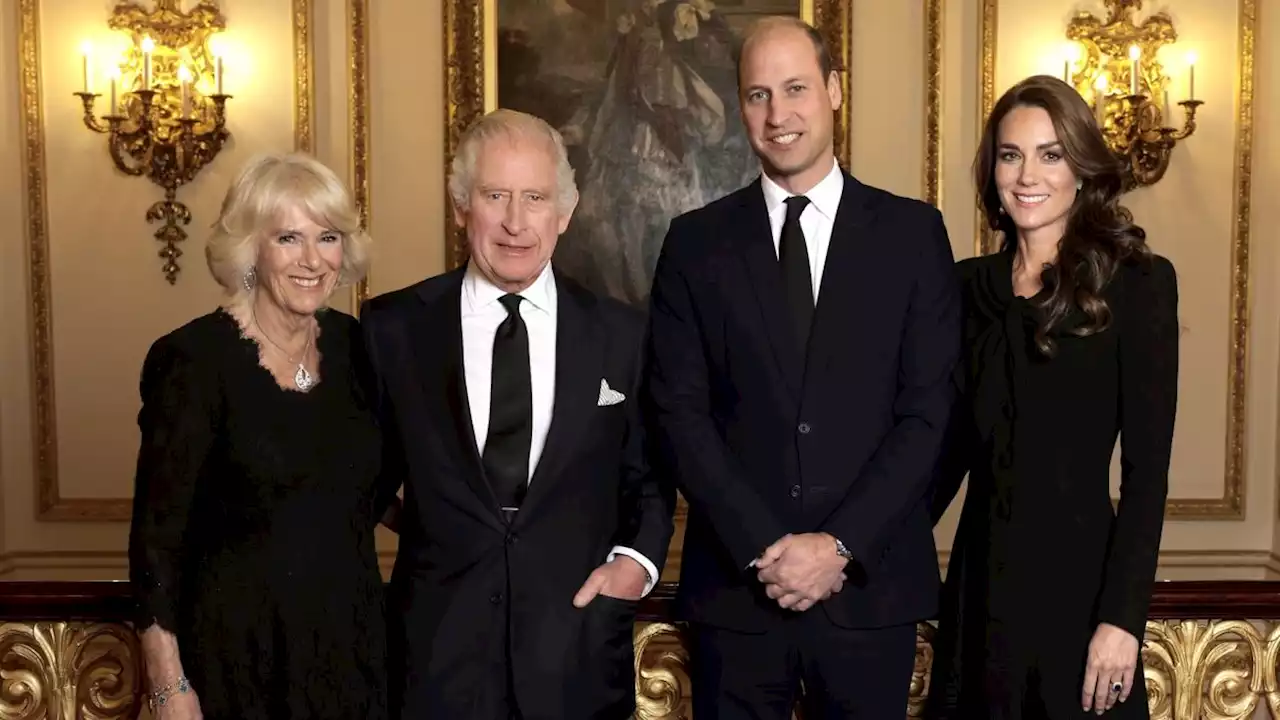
column 800, row 570
column 621, row 578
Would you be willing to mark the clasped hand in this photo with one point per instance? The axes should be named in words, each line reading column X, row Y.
column 801, row 570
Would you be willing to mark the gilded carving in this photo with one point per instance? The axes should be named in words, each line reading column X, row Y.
column 1230, row 506
column 662, row 677
column 50, row 505
column 358, row 107
column 933, row 29
column 69, row 671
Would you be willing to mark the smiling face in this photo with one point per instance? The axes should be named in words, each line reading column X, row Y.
column 788, row 106
column 511, row 218
column 1036, row 184
column 298, row 262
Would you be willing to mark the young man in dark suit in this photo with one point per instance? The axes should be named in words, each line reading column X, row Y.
column 803, row 334
column 532, row 524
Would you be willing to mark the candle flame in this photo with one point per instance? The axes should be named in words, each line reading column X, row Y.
column 1134, row 52
column 1101, row 83
column 86, row 48
column 148, row 45
column 184, row 74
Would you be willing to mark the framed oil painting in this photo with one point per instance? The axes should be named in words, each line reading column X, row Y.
column 644, row 93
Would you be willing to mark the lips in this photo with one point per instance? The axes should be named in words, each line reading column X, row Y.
column 785, row 139
column 306, row 283
column 1030, row 200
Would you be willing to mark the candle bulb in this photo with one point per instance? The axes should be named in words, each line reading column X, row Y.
column 184, row 75
column 1135, row 69
column 115, row 77
column 85, row 51
column 1191, row 76
column 148, row 46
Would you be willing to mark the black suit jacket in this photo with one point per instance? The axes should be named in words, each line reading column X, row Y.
column 460, row 565
column 765, row 440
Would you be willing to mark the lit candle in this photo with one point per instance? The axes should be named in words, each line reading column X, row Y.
column 1168, row 112
column 185, row 76
column 148, row 47
column 1191, row 76
column 85, row 51
column 1066, row 71
column 115, row 78
column 217, row 73
column 1135, row 68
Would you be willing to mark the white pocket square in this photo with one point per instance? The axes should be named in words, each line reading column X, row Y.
column 609, row 396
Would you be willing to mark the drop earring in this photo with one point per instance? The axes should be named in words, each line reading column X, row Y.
column 250, row 279
column 1079, row 185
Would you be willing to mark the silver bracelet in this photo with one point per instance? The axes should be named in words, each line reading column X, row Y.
column 159, row 697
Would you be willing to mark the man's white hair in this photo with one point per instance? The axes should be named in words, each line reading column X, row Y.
column 511, row 124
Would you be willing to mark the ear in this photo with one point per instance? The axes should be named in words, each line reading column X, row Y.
column 833, row 90
column 567, row 215
column 459, row 216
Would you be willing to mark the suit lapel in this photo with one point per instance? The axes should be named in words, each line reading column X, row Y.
column 849, row 271
column 579, row 369
column 761, row 259
column 437, row 342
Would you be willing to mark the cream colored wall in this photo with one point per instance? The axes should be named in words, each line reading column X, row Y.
column 103, row 266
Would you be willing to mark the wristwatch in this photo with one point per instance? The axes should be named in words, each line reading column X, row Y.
column 842, row 551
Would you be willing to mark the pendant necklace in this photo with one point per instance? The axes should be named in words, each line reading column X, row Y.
column 302, row 378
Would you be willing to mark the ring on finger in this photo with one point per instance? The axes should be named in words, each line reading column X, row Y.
column 1116, row 687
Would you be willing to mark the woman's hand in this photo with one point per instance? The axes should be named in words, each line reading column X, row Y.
column 1112, row 661
column 179, row 706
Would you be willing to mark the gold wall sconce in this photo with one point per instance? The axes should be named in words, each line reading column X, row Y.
column 1115, row 66
column 167, row 112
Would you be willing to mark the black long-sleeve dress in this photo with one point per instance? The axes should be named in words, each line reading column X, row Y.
column 253, row 525
column 1041, row 557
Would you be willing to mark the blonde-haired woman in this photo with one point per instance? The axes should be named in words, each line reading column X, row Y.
column 252, row 547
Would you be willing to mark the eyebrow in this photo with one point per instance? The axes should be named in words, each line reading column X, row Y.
column 1041, row 146
column 788, row 81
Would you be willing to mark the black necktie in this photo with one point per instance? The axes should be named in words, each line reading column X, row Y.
column 793, row 256
column 506, row 451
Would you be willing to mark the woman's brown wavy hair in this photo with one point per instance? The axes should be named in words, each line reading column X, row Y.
column 1100, row 234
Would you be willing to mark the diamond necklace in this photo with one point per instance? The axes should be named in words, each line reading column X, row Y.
column 302, row 378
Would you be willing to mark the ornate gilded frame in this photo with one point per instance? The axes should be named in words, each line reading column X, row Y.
column 1231, row 505
column 471, row 77
column 50, row 505
column 358, row 110
column 934, row 18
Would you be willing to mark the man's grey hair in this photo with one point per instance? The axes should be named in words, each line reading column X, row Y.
column 511, row 124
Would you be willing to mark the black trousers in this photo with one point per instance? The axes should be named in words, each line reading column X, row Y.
column 835, row 673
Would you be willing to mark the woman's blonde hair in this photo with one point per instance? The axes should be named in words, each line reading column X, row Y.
column 258, row 197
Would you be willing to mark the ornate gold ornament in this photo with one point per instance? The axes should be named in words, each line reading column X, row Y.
column 1129, row 91
column 662, row 675
column 167, row 112
column 69, row 671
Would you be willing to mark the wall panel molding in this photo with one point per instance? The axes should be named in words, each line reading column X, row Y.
column 934, row 32
column 358, row 109
column 50, row 505
column 1231, row 504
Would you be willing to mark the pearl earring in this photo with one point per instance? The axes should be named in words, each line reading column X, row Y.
column 250, row 279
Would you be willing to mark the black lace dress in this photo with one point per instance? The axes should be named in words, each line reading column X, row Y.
column 253, row 525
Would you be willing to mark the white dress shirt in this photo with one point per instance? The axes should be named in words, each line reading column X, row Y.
column 816, row 221
column 481, row 316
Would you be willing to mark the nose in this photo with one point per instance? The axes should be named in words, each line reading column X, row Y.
column 514, row 220
column 1028, row 174
column 777, row 113
column 310, row 259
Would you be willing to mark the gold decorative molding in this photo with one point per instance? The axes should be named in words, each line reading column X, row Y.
column 69, row 671
column 358, row 109
column 934, row 31
column 50, row 505
column 1231, row 504
column 662, row 674
column 470, row 66
column 304, row 75
column 984, row 239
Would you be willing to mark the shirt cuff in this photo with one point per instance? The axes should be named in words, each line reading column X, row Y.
column 649, row 569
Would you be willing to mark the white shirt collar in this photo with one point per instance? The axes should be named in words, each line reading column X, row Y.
column 478, row 292
column 825, row 196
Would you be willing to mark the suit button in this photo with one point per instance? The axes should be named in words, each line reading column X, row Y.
column 795, row 491
column 512, row 539
column 495, row 598
column 804, row 428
